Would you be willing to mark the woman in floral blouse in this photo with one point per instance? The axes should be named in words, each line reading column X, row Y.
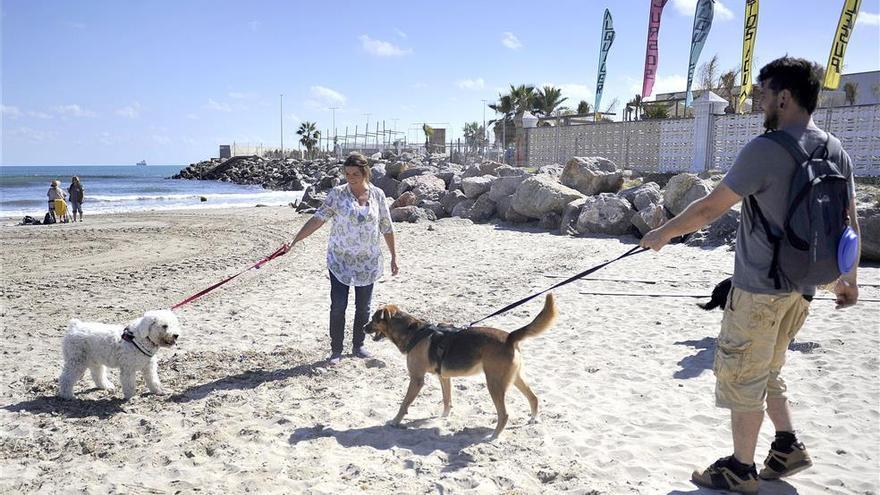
column 354, row 255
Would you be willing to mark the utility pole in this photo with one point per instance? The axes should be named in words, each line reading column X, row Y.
column 483, row 141
column 367, row 130
column 333, row 119
column 282, row 125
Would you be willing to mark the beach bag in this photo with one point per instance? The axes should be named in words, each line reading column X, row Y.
column 48, row 219
column 29, row 220
column 817, row 219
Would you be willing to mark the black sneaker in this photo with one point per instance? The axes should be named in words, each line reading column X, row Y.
column 723, row 475
column 785, row 462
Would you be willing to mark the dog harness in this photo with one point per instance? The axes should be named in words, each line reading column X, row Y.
column 440, row 339
column 129, row 337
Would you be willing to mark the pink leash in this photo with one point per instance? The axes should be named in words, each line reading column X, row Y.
column 279, row 252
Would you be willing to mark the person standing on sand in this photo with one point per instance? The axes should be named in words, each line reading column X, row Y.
column 761, row 317
column 360, row 218
column 55, row 192
column 76, row 192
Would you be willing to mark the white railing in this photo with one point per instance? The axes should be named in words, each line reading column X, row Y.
column 668, row 145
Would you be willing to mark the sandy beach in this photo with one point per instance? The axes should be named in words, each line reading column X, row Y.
column 624, row 382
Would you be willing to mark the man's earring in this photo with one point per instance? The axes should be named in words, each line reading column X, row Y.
column 782, row 105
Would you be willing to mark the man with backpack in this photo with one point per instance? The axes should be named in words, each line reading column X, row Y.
column 798, row 229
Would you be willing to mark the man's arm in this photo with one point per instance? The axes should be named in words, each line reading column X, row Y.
column 847, row 288
column 697, row 215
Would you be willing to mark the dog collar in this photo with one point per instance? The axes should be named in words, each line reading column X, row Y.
column 129, row 337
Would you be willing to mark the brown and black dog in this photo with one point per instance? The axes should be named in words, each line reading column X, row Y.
column 450, row 352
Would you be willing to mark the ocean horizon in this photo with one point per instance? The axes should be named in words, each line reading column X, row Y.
column 126, row 188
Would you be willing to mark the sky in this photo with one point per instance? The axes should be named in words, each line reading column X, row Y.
column 167, row 81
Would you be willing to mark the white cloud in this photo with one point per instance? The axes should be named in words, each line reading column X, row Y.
column 10, row 112
column 192, row 116
column 74, row 110
column 574, row 92
column 33, row 135
column 471, row 84
column 510, row 40
column 243, row 95
column 327, row 96
column 868, row 19
column 132, row 111
column 400, row 33
column 220, row 107
column 254, row 25
column 688, row 7
column 381, row 48
column 38, row 115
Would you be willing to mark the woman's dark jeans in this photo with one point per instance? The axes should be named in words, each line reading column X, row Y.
column 338, row 304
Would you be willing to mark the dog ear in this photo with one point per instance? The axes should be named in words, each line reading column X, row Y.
column 140, row 327
column 386, row 314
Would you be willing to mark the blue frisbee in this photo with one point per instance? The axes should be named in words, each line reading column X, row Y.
column 847, row 250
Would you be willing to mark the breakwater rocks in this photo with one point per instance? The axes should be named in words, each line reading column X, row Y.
column 588, row 195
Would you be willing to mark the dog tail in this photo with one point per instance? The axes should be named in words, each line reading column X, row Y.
column 541, row 322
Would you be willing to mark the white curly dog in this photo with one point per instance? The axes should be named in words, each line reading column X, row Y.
column 97, row 346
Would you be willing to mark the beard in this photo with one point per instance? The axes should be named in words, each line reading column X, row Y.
column 771, row 122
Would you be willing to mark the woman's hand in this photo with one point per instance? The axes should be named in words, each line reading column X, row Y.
column 394, row 268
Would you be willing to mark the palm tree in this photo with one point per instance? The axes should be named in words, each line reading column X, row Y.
column 583, row 108
column 548, row 100
column 474, row 135
column 709, row 74
column 309, row 136
column 851, row 91
column 634, row 106
column 727, row 84
column 522, row 97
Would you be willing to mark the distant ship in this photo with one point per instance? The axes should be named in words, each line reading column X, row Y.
column 142, row 163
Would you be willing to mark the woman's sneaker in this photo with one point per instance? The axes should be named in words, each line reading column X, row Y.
column 728, row 474
column 781, row 462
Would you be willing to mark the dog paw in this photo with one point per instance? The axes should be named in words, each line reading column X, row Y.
column 160, row 391
column 533, row 420
column 393, row 422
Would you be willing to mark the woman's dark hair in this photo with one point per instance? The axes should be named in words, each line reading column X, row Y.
column 360, row 161
column 797, row 75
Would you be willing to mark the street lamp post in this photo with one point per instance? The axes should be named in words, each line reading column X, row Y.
column 483, row 141
column 281, row 116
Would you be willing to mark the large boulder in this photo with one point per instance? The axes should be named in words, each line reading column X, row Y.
column 869, row 232
column 605, row 214
column 592, row 175
column 642, row 196
column 504, row 210
column 474, row 187
column 434, row 206
column 423, row 186
column 568, row 223
column 482, row 210
column 540, row 194
column 411, row 214
column 414, row 171
column 649, row 218
column 406, row 199
column 387, row 184
column 507, row 171
column 462, row 208
column 682, row 190
column 505, row 186
column 550, row 221
column 553, row 169
column 450, row 199
column 720, row 232
column 394, row 169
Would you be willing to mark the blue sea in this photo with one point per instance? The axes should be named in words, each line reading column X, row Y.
column 118, row 189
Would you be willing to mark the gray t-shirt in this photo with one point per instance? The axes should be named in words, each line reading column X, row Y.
column 764, row 169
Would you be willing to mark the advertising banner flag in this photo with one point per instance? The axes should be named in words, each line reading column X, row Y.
column 750, row 32
column 651, row 50
column 607, row 40
column 841, row 38
column 702, row 24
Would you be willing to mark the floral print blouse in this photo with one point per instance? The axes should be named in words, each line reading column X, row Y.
column 354, row 254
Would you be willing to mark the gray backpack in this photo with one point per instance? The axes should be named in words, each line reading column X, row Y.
column 805, row 251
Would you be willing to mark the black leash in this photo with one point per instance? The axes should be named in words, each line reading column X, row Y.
column 635, row 250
